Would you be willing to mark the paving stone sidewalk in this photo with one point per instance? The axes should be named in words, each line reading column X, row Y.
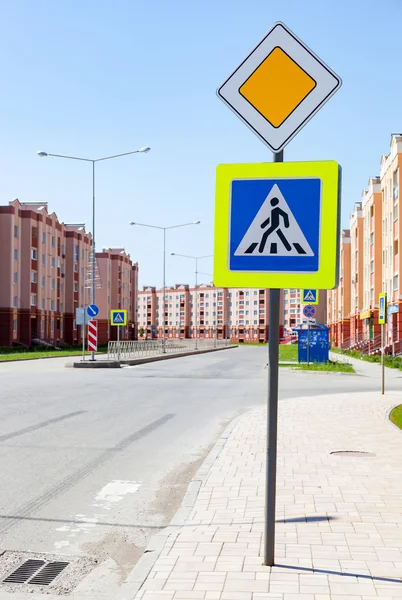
column 339, row 518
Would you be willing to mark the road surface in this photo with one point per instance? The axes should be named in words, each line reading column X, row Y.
column 96, row 461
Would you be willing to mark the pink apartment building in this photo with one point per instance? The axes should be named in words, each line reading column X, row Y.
column 237, row 314
column 118, row 281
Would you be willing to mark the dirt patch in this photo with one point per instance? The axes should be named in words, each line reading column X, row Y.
column 117, row 547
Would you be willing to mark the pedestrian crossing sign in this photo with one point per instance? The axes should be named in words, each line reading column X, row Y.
column 309, row 296
column 277, row 225
column 118, row 317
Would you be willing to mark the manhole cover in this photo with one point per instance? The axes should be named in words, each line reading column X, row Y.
column 45, row 573
column 352, row 453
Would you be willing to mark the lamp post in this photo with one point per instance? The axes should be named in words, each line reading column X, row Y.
column 164, row 229
column 42, row 154
column 196, row 258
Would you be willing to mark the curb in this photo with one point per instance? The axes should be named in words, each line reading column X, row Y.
column 115, row 364
column 156, row 544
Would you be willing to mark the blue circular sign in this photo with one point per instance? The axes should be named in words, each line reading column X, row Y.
column 309, row 311
column 93, row 310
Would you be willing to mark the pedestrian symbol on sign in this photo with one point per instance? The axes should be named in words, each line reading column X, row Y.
column 273, row 213
column 118, row 318
column 309, row 296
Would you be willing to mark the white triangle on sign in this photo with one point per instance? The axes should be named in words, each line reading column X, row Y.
column 118, row 318
column 310, row 296
column 274, row 231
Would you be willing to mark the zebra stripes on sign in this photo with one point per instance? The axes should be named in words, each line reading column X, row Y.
column 92, row 336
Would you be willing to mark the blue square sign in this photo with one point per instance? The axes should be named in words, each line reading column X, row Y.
column 275, row 225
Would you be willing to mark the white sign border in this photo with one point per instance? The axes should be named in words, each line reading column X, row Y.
column 327, row 83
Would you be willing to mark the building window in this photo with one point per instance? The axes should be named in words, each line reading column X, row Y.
column 396, row 283
column 43, row 237
column 82, row 253
column 15, row 301
column 53, row 262
column 82, row 271
column 42, row 304
column 372, row 267
column 15, row 254
column 396, row 211
column 75, row 287
column 372, row 238
column 34, row 277
column 34, row 254
column 53, row 241
column 15, row 325
column 16, row 231
column 75, row 253
column 42, row 326
column 51, row 304
column 43, row 261
column 52, row 285
column 58, row 262
column 61, row 307
column 33, row 300
column 75, row 268
column 15, row 276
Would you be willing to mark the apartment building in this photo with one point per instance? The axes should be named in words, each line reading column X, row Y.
column 32, row 294
column 374, row 262
column 356, row 271
column 117, row 289
column 207, row 312
column 76, row 274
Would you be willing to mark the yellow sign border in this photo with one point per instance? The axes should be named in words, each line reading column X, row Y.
column 384, row 319
column 117, row 310
column 327, row 275
column 317, row 297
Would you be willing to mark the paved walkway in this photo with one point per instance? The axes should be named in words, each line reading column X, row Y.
column 368, row 369
column 339, row 518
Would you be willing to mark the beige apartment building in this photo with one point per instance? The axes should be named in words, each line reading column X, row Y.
column 118, row 289
column 374, row 263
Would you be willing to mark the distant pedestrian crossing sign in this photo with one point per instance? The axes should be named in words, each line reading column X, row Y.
column 309, row 296
column 277, row 225
column 118, row 317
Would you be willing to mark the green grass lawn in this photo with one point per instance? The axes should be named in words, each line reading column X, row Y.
column 28, row 355
column 330, row 366
column 396, row 416
column 288, row 352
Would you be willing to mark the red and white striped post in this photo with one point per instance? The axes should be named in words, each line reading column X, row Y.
column 92, row 336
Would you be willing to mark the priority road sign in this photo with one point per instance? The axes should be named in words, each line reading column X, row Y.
column 93, row 310
column 382, row 312
column 309, row 296
column 279, row 87
column 309, row 311
column 277, row 225
column 118, row 317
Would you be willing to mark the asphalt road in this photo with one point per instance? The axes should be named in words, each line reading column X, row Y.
column 96, row 461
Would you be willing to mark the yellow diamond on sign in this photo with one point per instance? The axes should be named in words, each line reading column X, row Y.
column 289, row 85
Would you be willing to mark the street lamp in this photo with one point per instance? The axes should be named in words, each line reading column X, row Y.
column 196, row 258
column 42, row 154
column 164, row 229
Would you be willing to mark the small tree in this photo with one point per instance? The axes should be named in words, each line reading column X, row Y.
column 141, row 332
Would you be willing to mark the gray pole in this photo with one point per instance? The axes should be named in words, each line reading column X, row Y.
column 164, row 292
column 272, row 419
column 196, row 303
column 308, row 343
column 93, row 241
column 382, row 359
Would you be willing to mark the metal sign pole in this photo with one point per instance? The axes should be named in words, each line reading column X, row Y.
column 382, row 359
column 272, row 419
column 118, row 342
column 83, row 339
column 308, row 343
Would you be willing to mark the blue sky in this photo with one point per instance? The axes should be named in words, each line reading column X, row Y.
column 96, row 78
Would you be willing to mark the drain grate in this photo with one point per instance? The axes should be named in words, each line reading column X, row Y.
column 48, row 573
column 36, row 572
column 352, row 453
column 25, row 571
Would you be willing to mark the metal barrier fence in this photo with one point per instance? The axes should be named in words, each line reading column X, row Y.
column 139, row 349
